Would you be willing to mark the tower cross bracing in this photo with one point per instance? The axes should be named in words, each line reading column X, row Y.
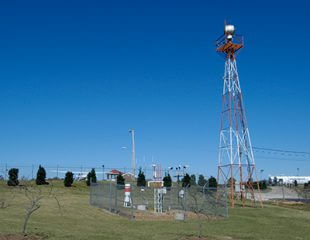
column 236, row 164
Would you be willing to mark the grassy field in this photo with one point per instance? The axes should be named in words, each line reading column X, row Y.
column 76, row 219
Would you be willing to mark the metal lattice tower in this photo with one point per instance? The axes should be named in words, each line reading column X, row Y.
column 236, row 165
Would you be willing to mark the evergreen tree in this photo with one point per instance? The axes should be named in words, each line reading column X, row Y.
column 120, row 180
column 263, row 185
column 186, row 181
column 13, row 177
column 201, row 180
column 295, row 183
column 167, row 181
column 41, row 176
column 68, row 179
column 193, row 180
column 141, row 182
column 275, row 181
column 212, row 183
column 269, row 181
column 91, row 177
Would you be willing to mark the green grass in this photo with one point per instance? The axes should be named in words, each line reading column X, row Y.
column 78, row 220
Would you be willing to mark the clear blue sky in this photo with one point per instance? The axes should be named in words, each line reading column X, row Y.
column 76, row 75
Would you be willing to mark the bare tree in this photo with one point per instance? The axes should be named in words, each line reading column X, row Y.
column 197, row 206
column 35, row 195
column 6, row 200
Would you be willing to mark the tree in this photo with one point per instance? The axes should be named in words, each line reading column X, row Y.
column 295, row 183
column 186, row 181
column 263, row 185
column 201, row 180
column 41, row 176
column 120, row 180
column 233, row 181
column 141, row 182
column 193, row 180
column 167, row 181
column 7, row 198
column 197, row 206
column 13, row 177
column 68, row 179
column 275, row 181
column 212, row 183
column 91, row 177
column 269, row 181
column 34, row 196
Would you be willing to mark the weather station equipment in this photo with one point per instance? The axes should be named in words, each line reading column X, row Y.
column 159, row 189
column 127, row 200
column 236, row 165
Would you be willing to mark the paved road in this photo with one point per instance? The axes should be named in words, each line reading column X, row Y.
column 277, row 193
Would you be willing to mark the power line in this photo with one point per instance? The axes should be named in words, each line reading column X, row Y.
column 285, row 159
column 281, row 151
column 288, row 155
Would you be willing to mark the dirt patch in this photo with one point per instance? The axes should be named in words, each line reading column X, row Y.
column 197, row 238
column 292, row 203
column 18, row 237
column 209, row 238
column 168, row 216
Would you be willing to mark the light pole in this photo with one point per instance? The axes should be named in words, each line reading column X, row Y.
column 170, row 169
column 132, row 131
column 184, row 169
column 177, row 169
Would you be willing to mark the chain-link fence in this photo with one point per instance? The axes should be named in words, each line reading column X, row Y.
column 132, row 200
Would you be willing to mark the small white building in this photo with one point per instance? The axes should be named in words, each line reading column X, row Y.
column 291, row 179
column 112, row 175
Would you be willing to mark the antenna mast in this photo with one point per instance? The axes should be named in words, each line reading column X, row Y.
column 236, row 165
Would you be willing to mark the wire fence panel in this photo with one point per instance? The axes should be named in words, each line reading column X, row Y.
column 130, row 200
column 216, row 201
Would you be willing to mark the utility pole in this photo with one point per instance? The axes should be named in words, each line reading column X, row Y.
column 177, row 170
column 133, row 163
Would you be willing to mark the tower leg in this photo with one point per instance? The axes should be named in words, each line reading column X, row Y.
column 232, row 186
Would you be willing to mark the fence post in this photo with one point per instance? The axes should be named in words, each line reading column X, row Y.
column 115, row 203
column 131, row 210
column 185, row 201
column 110, row 197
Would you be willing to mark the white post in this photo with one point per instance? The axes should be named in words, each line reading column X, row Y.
column 132, row 131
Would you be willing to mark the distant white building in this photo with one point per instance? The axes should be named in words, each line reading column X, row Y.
column 291, row 179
